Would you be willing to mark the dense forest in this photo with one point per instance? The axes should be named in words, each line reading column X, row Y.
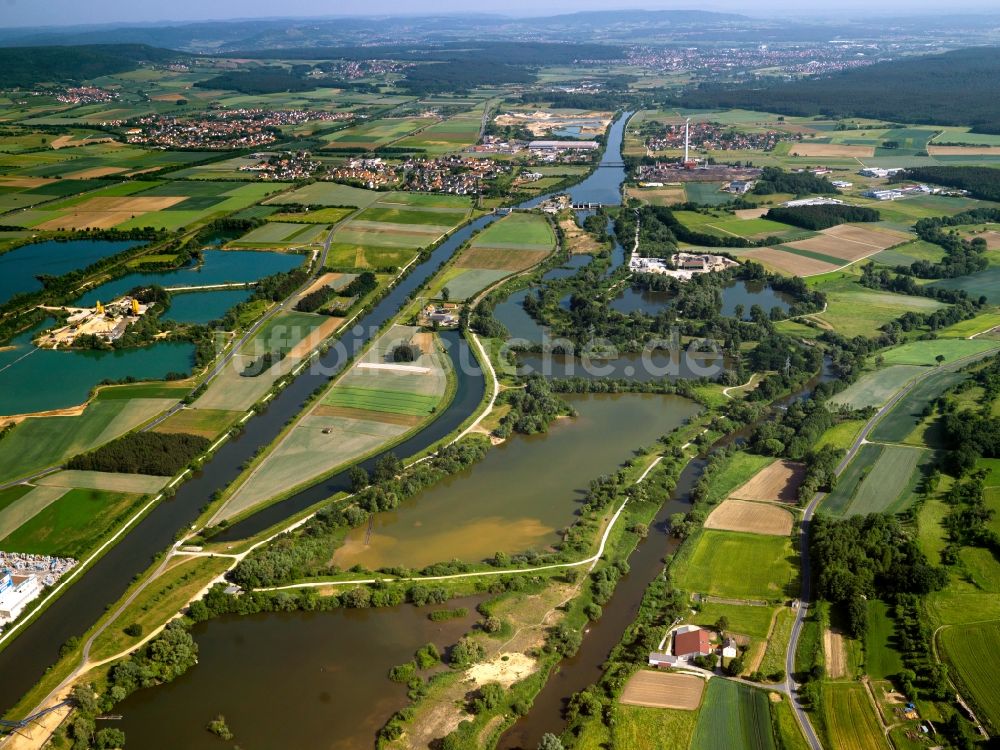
column 866, row 557
column 160, row 454
column 29, row 66
column 459, row 76
column 775, row 180
column 981, row 182
column 265, row 80
column 961, row 87
column 821, row 217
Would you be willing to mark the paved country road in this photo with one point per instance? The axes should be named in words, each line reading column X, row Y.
column 791, row 687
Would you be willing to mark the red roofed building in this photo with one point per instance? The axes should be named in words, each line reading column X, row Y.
column 692, row 642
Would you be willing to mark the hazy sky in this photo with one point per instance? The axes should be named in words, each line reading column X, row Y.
column 63, row 12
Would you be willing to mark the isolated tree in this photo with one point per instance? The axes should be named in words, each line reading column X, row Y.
column 939, row 358
column 446, row 294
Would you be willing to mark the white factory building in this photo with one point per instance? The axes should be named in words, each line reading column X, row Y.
column 15, row 593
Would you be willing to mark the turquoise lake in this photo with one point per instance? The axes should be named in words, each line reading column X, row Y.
column 19, row 266
column 34, row 379
column 217, row 267
column 204, row 307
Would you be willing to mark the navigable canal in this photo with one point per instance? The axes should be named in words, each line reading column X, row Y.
column 36, row 647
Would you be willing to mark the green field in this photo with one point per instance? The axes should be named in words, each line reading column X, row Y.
column 904, row 417
column 436, row 218
column 974, row 651
column 733, row 717
column 882, row 660
column 329, row 194
column 427, row 200
column 841, row 435
column 517, row 229
column 983, row 283
column 743, row 620
column 350, row 256
column 280, row 233
column 372, row 399
column 910, row 253
column 737, row 565
column 777, row 645
column 470, row 281
column 856, row 312
column 925, row 352
column 38, row 443
column 850, row 718
column 282, row 332
column 205, row 422
column 875, row 388
column 138, row 484
column 880, row 479
column 71, row 525
column 642, row 728
column 736, row 470
column 966, row 328
column 12, row 494
column 319, row 216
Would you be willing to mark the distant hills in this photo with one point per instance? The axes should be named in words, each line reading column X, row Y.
column 954, row 88
column 28, row 66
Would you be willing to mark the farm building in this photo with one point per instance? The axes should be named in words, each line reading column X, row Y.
column 691, row 641
column 728, row 649
column 656, row 659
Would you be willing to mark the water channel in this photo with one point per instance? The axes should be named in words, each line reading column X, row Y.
column 36, row 647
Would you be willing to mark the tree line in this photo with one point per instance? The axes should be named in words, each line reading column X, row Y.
column 821, row 217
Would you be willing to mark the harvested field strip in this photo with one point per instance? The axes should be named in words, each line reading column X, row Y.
column 427, row 230
column 875, row 388
column 500, row 260
column 974, row 650
column 527, row 246
column 787, row 262
column 805, row 253
column 832, row 149
column 101, row 480
column 27, row 507
column 908, row 413
column 755, row 518
column 879, row 480
column 378, row 400
column 834, row 654
column 733, row 717
column 663, row 690
column 405, row 420
column 850, row 718
column 778, row 482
